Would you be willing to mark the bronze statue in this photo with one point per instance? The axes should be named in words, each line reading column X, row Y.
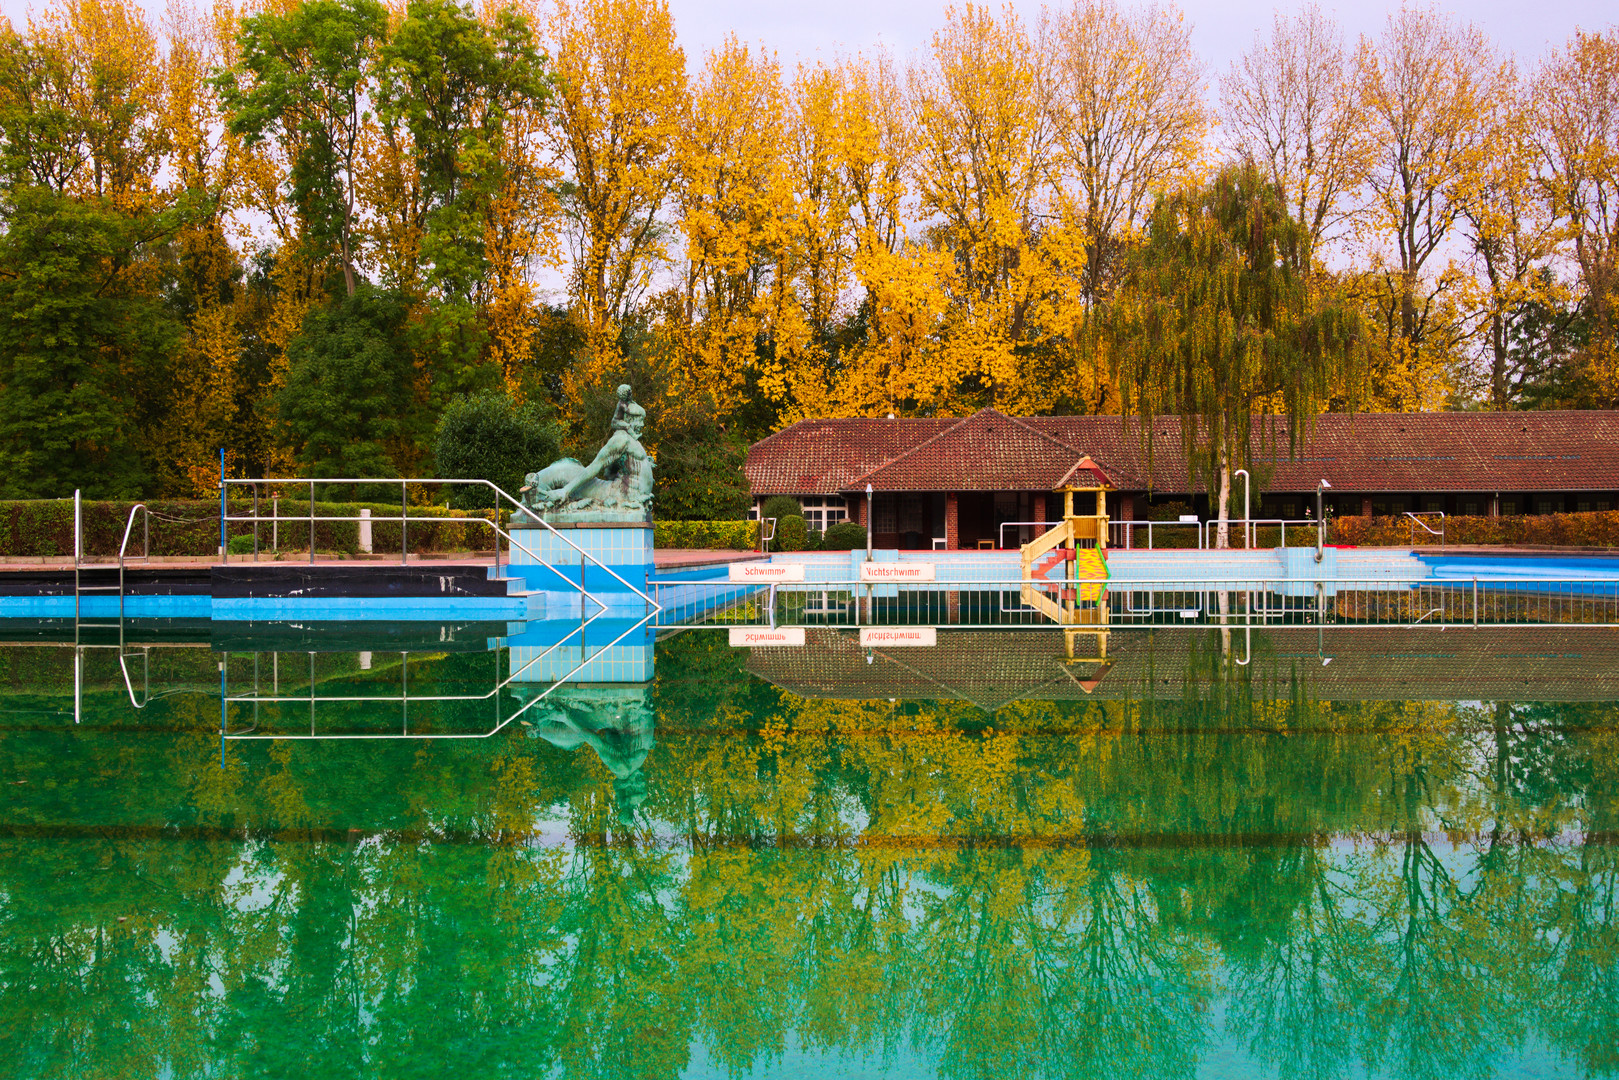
column 618, row 480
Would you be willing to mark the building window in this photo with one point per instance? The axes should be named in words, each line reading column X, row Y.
column 820, row 514
column 1603, row 505
column 884, row 516
column 1470, row 509
column 1585, row 506
column 1509, row 506
column 1436, row 506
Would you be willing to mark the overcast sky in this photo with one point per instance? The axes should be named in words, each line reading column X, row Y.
column 1222, row 29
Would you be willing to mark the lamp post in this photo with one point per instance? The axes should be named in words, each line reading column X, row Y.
column 870, row 521
column 1320, row 522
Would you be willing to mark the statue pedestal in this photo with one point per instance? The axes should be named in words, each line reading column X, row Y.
column 624, row 546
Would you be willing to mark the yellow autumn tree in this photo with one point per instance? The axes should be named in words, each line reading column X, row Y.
column 1290, row 105
column 848, row 152
column 1576, row 106
column 619, row 107
column 1513, row 292
column 983, row 168
column 737, row 214
column 1426, row 85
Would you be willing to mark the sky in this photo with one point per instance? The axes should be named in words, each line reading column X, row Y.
column 1221, row 29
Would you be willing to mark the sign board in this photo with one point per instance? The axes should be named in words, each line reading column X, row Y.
column 763, row 571
column 752, row 637
column 897, row 572
column 889, row 637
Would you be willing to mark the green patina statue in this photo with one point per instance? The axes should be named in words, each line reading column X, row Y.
column 616, row 485
column 617, row 723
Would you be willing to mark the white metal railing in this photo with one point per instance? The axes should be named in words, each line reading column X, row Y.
column 501, row 722
column 1416, row 519
column 226, row 519
column 1126, row 532
column 1356, row 602
column 79, row 588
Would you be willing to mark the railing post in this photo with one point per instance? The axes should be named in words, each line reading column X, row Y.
column 1475, row 603
column 404, row 514
column 275, row 524
column 311, row 531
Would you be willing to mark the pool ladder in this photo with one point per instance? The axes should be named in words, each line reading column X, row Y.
column 79, row 565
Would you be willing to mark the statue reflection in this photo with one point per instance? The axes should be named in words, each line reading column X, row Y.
column 616, row 722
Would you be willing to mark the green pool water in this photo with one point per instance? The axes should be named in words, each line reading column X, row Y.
column 1209, row 870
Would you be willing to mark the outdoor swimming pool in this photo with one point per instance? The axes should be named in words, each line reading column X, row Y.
column 1380, row 851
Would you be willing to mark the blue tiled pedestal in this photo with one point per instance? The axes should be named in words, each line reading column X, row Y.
column 623, row 547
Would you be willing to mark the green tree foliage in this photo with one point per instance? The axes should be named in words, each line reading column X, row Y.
column 1221, row 316
column 844, row 536
column 487, row 436
column 346, row 405
column 792, row 534
column 699, row 477
column 301, row 80
column 86, row 346
column 780, row 506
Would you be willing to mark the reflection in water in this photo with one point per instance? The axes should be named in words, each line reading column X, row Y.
column 1205, row 867
column 616, row 722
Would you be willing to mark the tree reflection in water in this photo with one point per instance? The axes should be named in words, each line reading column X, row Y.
column 1092, row 888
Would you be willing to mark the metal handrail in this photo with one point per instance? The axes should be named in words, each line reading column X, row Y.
column 257, row 698
column 1000, row 536
column 1416, row 519
column 123, row 554
column 1594, row 595
column 500, row 725
column 225, row 517
column 1129, row 528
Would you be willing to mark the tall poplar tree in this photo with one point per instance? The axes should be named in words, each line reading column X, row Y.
column 1222, row 314
column 303, row 80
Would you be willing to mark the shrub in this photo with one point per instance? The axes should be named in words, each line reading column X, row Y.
column 844, row 536
column 241, row 545
column 699, row 477
column 814, row 541
column 487, row 436
column 1167, row 511
column 792, row 533
column 731, row 535
column 780, row 506
column 1598, row 529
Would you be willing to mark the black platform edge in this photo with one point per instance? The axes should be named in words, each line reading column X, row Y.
column 304, row 581
column 141, row 581
column 469, row 636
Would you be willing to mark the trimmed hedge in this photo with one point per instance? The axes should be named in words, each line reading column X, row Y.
column 725, row 535
column 844, row 536
column 1596, row 529
column 190, row 527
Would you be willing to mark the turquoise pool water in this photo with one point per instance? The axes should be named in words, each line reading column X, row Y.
column 752, row 866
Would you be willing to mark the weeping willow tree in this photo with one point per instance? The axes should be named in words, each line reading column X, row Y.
column 1222, row 319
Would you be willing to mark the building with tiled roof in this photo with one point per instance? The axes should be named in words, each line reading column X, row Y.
column 955, row 482
column 992, row 668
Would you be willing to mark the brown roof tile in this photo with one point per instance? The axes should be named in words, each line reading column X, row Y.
column 992, row 668
column 1486, row 452
column 988, row 451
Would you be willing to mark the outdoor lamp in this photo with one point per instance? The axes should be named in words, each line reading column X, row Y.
column 1320, row 522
